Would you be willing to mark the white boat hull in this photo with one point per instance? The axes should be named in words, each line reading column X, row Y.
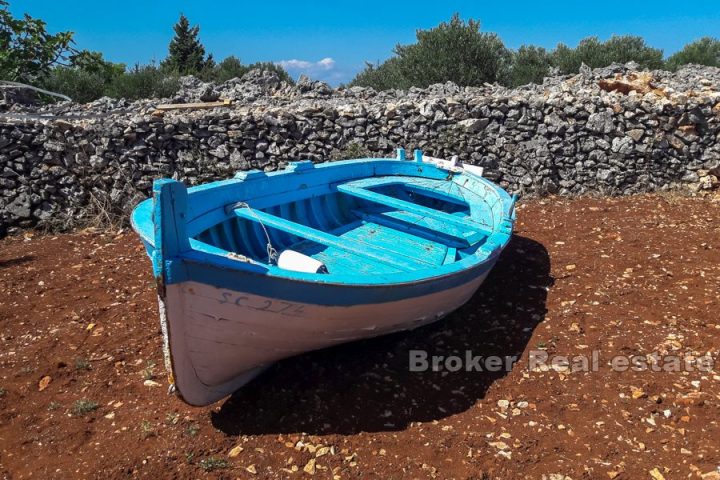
column 216, row 340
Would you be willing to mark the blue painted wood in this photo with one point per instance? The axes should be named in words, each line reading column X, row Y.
column 381, row 199
column 450, row 255
column 422, row 227
column 169, row 232
column 423, row 251
column 289, row 194
column 318, row 236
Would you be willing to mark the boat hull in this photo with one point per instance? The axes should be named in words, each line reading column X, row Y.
column 218, row 339
column 402, row 244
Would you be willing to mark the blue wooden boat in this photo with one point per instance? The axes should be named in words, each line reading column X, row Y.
column 269, row 265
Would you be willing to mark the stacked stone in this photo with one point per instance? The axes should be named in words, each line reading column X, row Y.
column 572, row 135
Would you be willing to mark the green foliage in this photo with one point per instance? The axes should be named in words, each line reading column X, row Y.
column 351, row 152
column 146, row 81
column 93, row 62
column 232, row 67
column 453, row 51
column 186, row 53
column 384, row 76
column 27, row 50
column 77, row 84
column 193, row 429
column 530, row 65
column 83, row 407
column 228, row 69
column 272, row 67
column 594, row 53
column 172, row 418
column 146, row 430
column 148, row 373
column 82, row 364
column 705, row 51
column 86, row 79
column 211, row 463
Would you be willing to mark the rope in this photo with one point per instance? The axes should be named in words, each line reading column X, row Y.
column 8, row 84
column 271, row 252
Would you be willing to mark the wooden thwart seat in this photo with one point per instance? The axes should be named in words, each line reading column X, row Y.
column 474, row 230
column 371, row 252
column 422, row 227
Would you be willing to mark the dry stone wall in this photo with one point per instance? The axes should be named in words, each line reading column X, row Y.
column 609, row 131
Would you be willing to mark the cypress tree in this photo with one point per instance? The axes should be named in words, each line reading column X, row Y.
column 186, row 53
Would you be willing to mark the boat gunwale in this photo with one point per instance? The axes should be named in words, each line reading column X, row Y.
column 202, row 253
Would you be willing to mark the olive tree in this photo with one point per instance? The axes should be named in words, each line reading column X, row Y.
column 27, row 50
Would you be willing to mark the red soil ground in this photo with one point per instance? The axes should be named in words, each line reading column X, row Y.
column 628, row 276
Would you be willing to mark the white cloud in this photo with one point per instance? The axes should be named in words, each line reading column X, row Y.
column 304, row 66
column 324, row 69
column 326, row 63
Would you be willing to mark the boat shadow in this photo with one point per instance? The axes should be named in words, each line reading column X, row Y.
column 16, row 261
column 368, row 386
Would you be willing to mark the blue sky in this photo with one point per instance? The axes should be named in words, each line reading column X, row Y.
column 332, row 40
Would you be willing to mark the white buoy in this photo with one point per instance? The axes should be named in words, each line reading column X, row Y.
column 298, row 262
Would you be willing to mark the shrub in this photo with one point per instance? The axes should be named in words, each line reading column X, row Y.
column 530, row 65
column 594, row 53
column 232, row 67
column 383, row 76
column 144, row 82
column 210, row 464
column 83, row 407
column 453, row 51
column 82, row 364
column 93, row 62
column 77, row 84
column 705, row 51
column 272, row 67
column 87, row 78
column 351, row 152
column 228, row 69
column 146, row 430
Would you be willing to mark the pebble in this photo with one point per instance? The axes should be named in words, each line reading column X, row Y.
column 235, row 451
column 310, row 467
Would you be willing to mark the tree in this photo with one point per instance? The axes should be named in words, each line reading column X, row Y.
column 383, row 76
column 231, row 67
column 594, row 53
column 186, row 53
column 453, row 51
column 272, row 67
column 27, row 50
column 87, row 78
column 144, row 81
column 93, row 62
column 530, row 65
column 705, row 51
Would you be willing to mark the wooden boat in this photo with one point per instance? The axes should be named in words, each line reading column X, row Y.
column 269, row 265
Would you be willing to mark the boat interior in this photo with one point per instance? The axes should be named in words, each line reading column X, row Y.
column 373, row 225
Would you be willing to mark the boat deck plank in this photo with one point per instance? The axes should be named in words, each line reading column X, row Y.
column 427, row 251
column 466, row 223
column 337, row 260
column 372, row 252
column 423, row 227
